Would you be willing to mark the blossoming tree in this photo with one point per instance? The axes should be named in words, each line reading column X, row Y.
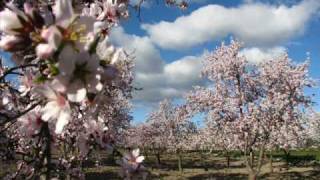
column 69, row 88
column 173, row 127
column 260, row 104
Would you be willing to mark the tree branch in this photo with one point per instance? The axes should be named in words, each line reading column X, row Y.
column 11, row 70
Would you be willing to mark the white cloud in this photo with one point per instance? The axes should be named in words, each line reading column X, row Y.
column 176, row 79
column 147, row 56
column 255, row 24
column 257, row 55
column 158, row 79
column 148, row 4
column 289, row 2
column 184, row 71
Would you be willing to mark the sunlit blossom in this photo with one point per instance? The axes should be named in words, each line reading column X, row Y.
column 56, row 109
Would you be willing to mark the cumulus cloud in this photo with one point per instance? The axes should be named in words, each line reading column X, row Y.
column 254, row 23
column 147, row 4
column 157, row 78
column 176, row 79
column 257, row 55
column 262, row 27
column 289, row 2
column 147, row 56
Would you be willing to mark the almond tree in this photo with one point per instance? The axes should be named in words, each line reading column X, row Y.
column 313, row 128
column 67, row 70
column 142, row 136
column 69, row 88
column 254, row 102
column 173, row 126
column 284, row 83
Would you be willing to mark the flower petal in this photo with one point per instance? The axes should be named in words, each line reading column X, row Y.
column 64, row 12
column 63, row 119
column 50, row 111
column 140, row 159
column 46, row 91
column 58, row 84
column 136, row 152
column 44, row 51
column 77, row 96
column 9, row 21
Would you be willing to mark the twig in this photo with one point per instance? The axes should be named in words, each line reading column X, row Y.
column 14, row 118
column 11, row 70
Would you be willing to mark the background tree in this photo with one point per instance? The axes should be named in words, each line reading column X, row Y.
column 255, row 103
column 173, row 126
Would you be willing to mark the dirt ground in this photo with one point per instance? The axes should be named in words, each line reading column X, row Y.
column 196, row 167
column 213, row 167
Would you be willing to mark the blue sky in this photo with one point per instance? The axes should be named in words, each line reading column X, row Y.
column 168, row 43
column 294, row 27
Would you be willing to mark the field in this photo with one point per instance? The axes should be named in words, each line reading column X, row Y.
column 302, row 165
column 212, row 166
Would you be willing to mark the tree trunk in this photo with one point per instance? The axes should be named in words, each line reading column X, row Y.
column 158, row 158
column 251, row 159
column 180, row 162
column 47, row 150
column 203, row 161
column 252, row 176
column 270, row 162
column 113, row 159
column 228, row 161
column 146, row 154
column 287, row 154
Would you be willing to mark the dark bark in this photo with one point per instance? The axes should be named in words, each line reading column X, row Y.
column 228, row 161
column 180, row 162
column 47, row 150
column 287, row 154
column 203, row 161
column 271, row 162
column 158, row 156
column 252, row 176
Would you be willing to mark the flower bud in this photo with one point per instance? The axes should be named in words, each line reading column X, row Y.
column 13, row 43
column 9, row 22
column 44, row 51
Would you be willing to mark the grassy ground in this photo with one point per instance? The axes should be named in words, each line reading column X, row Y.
column 303, row 165
column 214, row 167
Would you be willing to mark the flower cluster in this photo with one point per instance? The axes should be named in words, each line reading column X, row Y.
column 251, row 107
column 71, row 51
column 131, row 166
column 108, row 12
column 73, row 85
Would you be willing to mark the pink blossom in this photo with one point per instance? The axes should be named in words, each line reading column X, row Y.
column 131, row 164
column 31, row 123
column 12, row 43
column 63, row 12
column 9, row 20
column 26, row 84
column 53, row 38
column 57, row 108
column 107, row 10
column 79, row 76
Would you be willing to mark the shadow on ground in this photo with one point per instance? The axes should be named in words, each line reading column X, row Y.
column 219, row 176
column 307, row 175
column 102, row 175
